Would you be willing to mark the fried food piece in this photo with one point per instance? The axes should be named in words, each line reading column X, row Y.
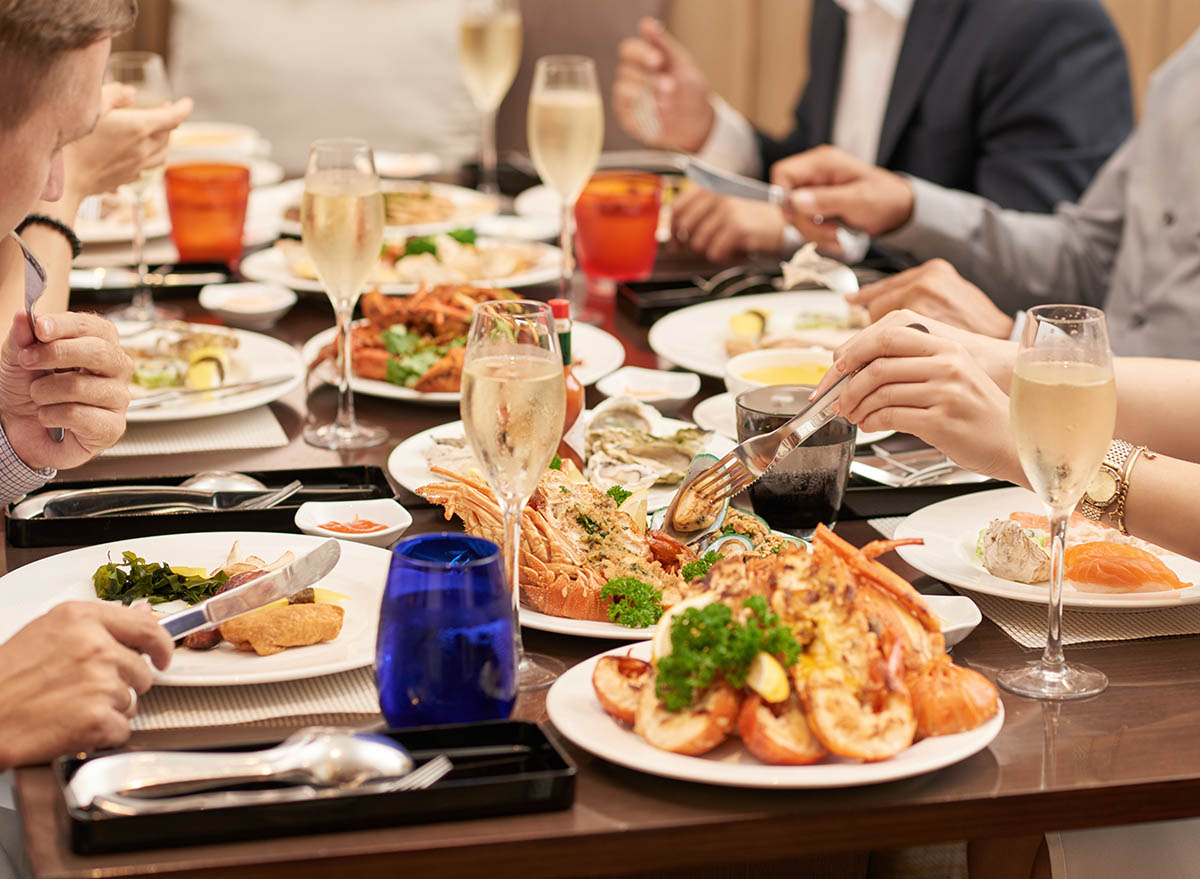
column 274, row 629
column 445, row 375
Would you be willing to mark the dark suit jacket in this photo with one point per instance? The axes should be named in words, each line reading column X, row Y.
column 1020, row 101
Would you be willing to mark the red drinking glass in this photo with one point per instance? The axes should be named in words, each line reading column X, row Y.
column 207, row 203
column 616, row 217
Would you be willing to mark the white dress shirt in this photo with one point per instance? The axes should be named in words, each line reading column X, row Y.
column 874, row 34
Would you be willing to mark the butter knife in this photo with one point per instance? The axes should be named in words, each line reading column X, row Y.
column 854, row 244
column 159, row 398
column 260, row 591
column 126, row 279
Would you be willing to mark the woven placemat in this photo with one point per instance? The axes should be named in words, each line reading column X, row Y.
column 256, row 428
column 348, row 697
column 1025, row 622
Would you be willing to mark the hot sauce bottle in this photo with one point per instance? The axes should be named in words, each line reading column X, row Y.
column 561, row 309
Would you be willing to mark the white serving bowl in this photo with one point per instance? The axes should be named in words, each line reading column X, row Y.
column 385, row 511
column 764, row 358
column 649, row 385
column 251, row 306
column 211, row 139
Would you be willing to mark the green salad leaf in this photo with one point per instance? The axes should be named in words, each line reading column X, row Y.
column 134, row 578
column 463, row 236
column 420, row 244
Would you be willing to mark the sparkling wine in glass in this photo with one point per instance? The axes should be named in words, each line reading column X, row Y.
column 147, row 75
column 1063, row 407
column 489, row 53
column 341, row 220
column 565, row 129
column 513, row 401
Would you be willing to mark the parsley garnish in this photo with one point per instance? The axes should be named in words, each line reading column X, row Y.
column 706, row 642
column 420, row 244
column 633, row 603
column 556, row 463
column 618, row 494
column 150, row 580
column 462, row 236
column 700, row 566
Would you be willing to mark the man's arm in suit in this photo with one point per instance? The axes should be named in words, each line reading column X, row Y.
column 1055, row 103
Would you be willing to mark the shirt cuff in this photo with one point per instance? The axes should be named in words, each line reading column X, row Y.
column 791, row 241
column 1018, row 326
column 16, row 478
column 938, row 215
column 731, row 144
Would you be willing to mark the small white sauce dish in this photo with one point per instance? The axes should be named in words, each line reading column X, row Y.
column 387, row 512
column 764, row 359
column 246, row 305
column 649, row 385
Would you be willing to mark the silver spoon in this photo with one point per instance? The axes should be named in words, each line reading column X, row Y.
column 318, row 756
column 221, row 480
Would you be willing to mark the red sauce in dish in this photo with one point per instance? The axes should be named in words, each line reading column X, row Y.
column 355, row 526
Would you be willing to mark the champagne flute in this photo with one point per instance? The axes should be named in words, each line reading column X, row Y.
column 341, row 222
column 513, row 401
column 147, row 75
column 565, row 129
column 489, row 53
column 1063, row 408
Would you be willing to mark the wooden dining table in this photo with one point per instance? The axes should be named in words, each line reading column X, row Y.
column 1128, row 755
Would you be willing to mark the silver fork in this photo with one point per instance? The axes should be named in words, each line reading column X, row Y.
column 749, row 460
column 419, row 779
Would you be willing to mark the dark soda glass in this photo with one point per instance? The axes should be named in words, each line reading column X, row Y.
column 445, row 650
column 805, row 489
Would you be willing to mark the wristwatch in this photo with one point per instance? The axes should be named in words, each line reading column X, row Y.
column 1108, row 486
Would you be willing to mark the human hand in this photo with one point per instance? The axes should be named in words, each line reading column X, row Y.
column 65, row 679
column 125, row 142
column 928, row 385
column 655, row 63
column 828, row 184
column 721, row 227
column 935, row 289
column 76, row 377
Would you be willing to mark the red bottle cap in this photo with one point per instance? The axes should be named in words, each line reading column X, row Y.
column 560, row 308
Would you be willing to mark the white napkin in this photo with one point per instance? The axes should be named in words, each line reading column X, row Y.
column 256, row 428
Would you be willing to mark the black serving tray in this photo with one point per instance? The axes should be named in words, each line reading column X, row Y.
column 501, row 767
column 72, row 530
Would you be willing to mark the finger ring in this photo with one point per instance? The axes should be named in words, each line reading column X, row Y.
column 131, row 708
column 818, row 219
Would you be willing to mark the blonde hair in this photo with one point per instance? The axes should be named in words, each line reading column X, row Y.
column 34, row 33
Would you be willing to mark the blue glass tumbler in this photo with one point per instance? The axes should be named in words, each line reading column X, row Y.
column 445, row 652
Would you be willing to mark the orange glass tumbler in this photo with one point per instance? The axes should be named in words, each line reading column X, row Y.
column 207, row 204
column 616, row 217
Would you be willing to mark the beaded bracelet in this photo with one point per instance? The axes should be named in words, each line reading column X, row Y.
column 58, row 226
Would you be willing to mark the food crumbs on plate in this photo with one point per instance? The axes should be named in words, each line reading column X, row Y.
column 356, row 525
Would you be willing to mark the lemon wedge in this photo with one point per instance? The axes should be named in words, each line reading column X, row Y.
column 189, row 571
column 636, row 506
column 660, row 644
column 749, row 324
column 767, row 678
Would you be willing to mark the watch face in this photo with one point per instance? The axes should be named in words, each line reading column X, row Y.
column 1103, row 487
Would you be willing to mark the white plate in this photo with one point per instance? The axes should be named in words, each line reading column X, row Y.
column 958, row 615
column 270, row 265
column 256, row 356
column 407, row 462
column 30, row 591
column 118, row 228
column 576, row 713
column 541, row 202
column 950, row 529
column 694, row 337
column 718, row 413
column 469, row 207
column 531, row 619
column 596, row 354
column 390, row 164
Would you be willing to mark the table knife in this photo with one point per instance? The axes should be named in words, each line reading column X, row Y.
column 119, row 278
column 151, row 401
column 854, row 244
column 260, row 591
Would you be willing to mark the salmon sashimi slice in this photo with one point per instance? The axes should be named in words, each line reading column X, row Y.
column 1117, row 567
column 1040, row 522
